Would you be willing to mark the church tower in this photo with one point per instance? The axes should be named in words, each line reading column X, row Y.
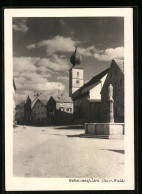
column 76, row 73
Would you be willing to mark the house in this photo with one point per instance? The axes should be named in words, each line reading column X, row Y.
column 19, row 112
column 39, row 111
column 115, row 77
column 23, row 112
column 60, row 110
column 86, row 97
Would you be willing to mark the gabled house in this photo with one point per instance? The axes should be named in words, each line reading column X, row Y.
column 60, row 110
column 39, row 111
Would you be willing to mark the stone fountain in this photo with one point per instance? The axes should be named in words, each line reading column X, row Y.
column 109, row 129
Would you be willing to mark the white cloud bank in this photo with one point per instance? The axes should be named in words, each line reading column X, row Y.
column 109, row 54
column 66, row 44
column 32, row 74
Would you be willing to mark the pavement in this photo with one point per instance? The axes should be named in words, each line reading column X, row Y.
column 59, row 152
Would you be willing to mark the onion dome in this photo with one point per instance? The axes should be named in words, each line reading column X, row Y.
column 76, row 58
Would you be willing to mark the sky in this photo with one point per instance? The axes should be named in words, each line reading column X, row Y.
column 42, row 48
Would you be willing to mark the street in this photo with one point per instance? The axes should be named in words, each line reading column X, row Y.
column 59, row 152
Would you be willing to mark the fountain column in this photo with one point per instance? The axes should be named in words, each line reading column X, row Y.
column 110, row 114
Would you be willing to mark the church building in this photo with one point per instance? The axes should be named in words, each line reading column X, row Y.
column 86, row 97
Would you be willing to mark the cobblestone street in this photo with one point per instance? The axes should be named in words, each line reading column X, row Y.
column 59, row 152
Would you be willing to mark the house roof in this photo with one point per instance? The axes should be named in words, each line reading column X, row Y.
column 20, row 104
column 62, row 99
column 43, row 101
column 120, row 64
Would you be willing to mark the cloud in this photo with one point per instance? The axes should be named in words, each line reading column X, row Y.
column 54, row 63
column 61, row 44
column 20, row 24
column 29, row 76
column 87, row 52
column 109, row 54
column 63, row 78
column 56, row 44
column 66, row 44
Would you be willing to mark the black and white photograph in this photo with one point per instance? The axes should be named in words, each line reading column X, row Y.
column 72, row 99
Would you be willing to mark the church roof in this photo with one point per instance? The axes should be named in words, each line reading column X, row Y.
column 120, row 64
column 96, row 78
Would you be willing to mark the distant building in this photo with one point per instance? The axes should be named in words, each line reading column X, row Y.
column 86, row 97
column 39, row 111
column 19, row 113
column 23, row 112
column 60, row 110
column 116, row 78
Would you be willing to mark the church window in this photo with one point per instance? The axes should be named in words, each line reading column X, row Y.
column 77, row 74
column 77, row 81
column 111, row 75
column 116, row 72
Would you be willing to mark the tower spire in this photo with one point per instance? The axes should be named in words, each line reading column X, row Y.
column 76, row 58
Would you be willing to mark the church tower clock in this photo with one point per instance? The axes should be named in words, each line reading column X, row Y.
column 76, row 73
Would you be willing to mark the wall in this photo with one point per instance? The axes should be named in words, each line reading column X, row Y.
column 90, row 111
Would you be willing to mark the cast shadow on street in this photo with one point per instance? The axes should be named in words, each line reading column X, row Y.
column 72, row 127
column 119, row 151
